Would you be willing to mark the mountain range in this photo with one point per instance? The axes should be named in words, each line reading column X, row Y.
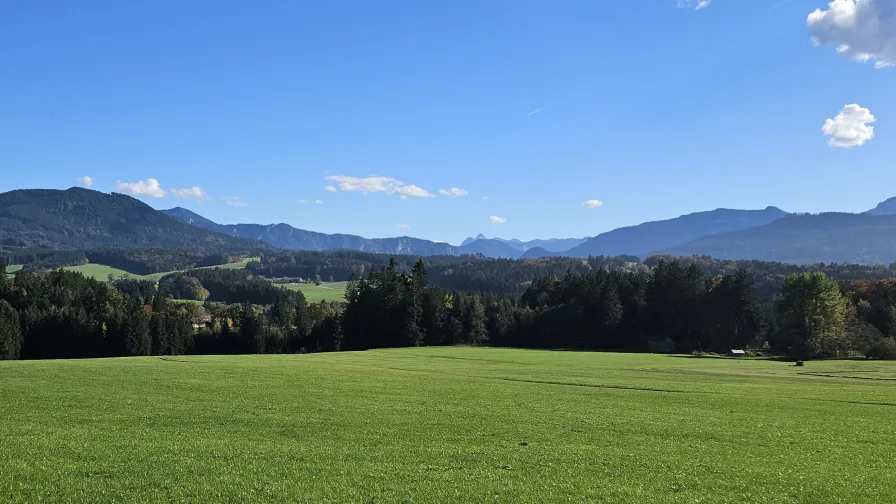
column 82, row 218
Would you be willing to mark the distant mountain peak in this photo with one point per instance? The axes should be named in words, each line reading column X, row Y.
column 886, row 207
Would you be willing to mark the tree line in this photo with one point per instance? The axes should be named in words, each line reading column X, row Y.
column 61, row 314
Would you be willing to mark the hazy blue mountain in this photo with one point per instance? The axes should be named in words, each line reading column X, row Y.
column 539, row 252
column 286, row 236
column 650, row 237
column 551, row 244
column 79, row 218
column 886, row 207
column 491, row 248
column 805, row 239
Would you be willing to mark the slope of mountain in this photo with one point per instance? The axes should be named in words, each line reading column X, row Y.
column 886, row 207
column 286, row 236
column 805, row 239
column 653, row 236
column 491, row 248
column 551, row 244
column 538, row 253
column 81, row 218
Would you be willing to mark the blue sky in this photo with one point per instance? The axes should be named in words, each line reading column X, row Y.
column 529, row 108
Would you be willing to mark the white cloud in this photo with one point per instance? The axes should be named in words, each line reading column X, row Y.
column 593, row 203
column 402, row 226
column 363, row 185
column 85, row 182
column 497, row 220
column 412, row 191
column 862, row 30
column 235, row 201
column 303, row 201
column 194, row 192
column 148, row 187
column 368, row 185
column 454, row 192
column 318, row 202
column 850, row 128
column 687, row 4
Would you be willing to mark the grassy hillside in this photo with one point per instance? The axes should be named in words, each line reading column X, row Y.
column 327, row 291
column 12, row 268
column 102, row 272
column 446, row 425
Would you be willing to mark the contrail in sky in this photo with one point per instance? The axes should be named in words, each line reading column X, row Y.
column 779, row 4
column 537, row 110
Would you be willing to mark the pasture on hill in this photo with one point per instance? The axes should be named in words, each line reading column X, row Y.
column 327, row 291
column 101, row 272
column 440, row 425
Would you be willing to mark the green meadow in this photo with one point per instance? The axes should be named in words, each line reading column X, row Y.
column 327, row 291
column 102, row 272
column 447, row 425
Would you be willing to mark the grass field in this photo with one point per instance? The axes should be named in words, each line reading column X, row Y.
column 447, row 425
column 102, row 272
column 12, row 268
column 327, row 291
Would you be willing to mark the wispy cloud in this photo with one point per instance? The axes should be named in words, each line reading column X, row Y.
column 235, row 201
column 149, row 187
column 367, row 185
column 303, row 201
column 687, row 4
column 494, row 219
column 779, row 4
column 85, row 182
column 537, row 110
column 318, row 202
column 454, row 192
column 402, row 226
column 593, row 203
column 194, row 192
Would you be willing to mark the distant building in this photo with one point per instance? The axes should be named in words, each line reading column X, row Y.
column 738, row 353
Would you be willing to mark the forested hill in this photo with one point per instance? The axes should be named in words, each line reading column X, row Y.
column 288, row 237
column 806, row 239
column 651, row 237
column 81, row 218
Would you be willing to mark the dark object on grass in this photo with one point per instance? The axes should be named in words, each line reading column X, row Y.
column 799, row 363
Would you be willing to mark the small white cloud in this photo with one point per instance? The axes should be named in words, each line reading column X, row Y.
column 593, row 203
column 861, row 30
column 303, row 201
column 497, row 220
column 194, row 192
column 364, row 185
column 850, row 128
column 412, row 191
column 85, row 182
column 485, row 198
column 367, row 185
column 318, row 202
column 148, row 187
column 235, row 201
column 402, row 226
column 687, row 4
column 454, row 192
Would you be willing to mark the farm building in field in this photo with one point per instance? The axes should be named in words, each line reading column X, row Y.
column 738, row 353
